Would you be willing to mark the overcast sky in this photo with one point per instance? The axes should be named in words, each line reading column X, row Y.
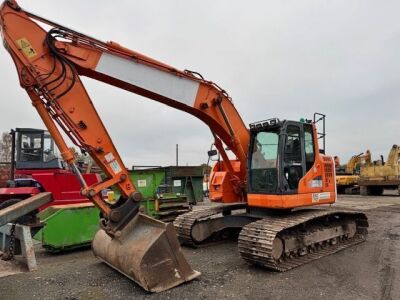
column 284, row 59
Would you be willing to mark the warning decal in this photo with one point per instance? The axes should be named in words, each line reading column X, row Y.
column 142, row 183
column 26, row 47
column 112, row 162
column 316, row 197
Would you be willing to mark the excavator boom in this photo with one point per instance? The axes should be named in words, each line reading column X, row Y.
column 49, row 65
column 277, row 166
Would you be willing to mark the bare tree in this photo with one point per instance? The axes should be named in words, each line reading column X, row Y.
column 5, row 147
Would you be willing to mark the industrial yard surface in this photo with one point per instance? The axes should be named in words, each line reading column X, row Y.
column 366, row 271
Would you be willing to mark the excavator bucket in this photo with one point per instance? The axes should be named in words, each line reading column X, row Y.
column 148, row 252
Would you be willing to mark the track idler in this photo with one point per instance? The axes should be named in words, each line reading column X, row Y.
column 147, row 251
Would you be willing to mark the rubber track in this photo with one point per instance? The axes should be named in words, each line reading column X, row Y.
column 255, row 239
column 183, row 223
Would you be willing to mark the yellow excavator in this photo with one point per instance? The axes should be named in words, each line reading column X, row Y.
column 381, row 175
column 347, row 176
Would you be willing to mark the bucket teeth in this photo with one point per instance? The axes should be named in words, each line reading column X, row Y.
column 147, row 251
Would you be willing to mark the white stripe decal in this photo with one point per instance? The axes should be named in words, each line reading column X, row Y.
column 162, row 83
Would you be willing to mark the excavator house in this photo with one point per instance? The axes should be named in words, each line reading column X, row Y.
column 278, row 168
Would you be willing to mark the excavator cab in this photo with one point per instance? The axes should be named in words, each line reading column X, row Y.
column 286, row 166
column 281, row 154
column 35, row 149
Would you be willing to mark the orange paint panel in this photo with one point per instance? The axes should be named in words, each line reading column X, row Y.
column 289, row 201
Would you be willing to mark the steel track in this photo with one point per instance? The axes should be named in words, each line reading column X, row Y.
column 256, row 239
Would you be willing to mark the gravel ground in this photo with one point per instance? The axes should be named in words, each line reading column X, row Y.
column 366, row 271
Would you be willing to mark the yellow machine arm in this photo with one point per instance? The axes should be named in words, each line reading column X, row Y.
column 358, row 159
column 393, row 156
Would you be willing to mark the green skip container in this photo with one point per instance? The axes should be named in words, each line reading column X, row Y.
column 184, row 180
column 68, row 226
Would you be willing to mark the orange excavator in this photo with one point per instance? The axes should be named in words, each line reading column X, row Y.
column 278, row 166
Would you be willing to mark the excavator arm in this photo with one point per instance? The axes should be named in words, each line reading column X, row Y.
column 393, row 156
column 358, row 159
column 49, row 65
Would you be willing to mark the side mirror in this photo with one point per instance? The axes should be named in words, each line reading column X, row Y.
column 212, row 153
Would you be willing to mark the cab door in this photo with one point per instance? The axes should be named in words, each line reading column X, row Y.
column 292, row 157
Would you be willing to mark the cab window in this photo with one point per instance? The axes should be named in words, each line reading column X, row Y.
column 263, row 175
column 293, row 144
column 309, row 146
column 265, row 150
column 293, row 166
column 31, row 147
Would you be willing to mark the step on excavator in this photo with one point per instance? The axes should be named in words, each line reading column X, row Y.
column 278, row 167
